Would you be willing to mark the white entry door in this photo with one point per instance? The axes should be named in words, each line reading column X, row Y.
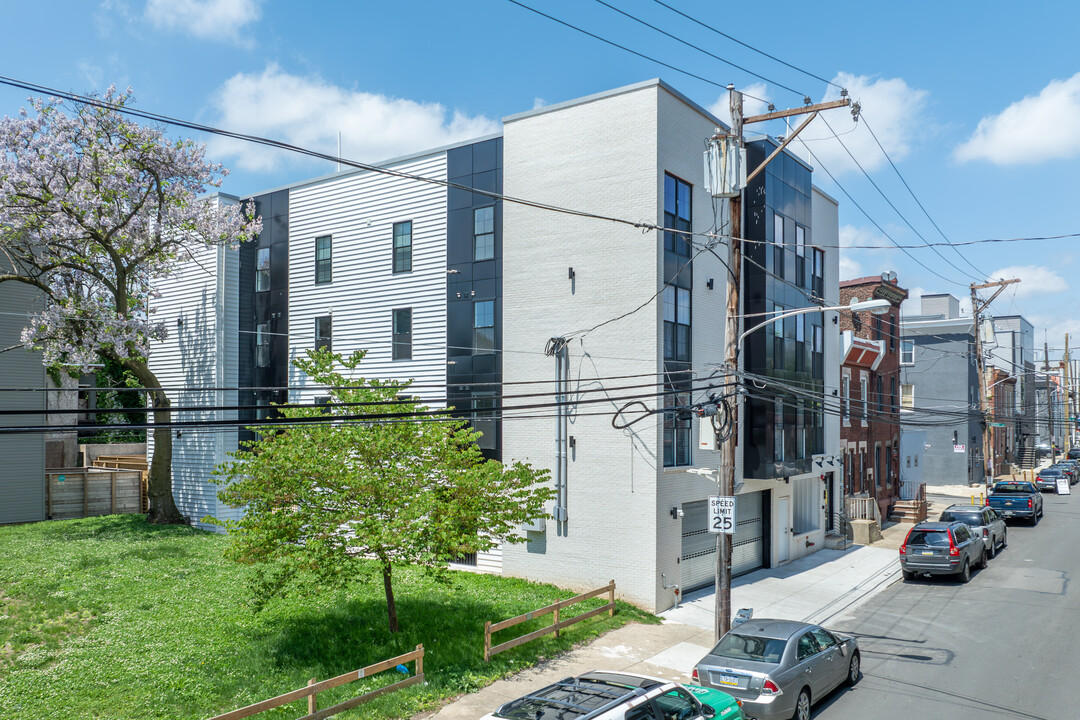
column 783, row 512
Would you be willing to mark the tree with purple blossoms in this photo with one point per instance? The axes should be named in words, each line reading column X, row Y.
column 93, row 209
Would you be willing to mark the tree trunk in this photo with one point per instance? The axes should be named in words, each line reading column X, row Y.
column 163, row 510
column 391, row 608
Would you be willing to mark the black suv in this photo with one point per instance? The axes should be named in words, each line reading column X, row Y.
column 1073, row 454
column 942, row 548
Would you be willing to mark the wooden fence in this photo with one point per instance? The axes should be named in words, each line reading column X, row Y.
column 129, row 462
column 86, row 492
column 556, row 624
column 314, row 688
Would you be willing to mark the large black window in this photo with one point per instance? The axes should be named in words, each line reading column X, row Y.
column 801, row 251
column 483, row 419
column 677, row 419
column 818, row 276
column 262, row 269
column 262, row 345
column 323, row 332
column 402, row 334
column 323, row 268
column 677, row 209
column 403, row 247
column 778, row 245
column 484, row 233
column 676, row 323
column 484, row 326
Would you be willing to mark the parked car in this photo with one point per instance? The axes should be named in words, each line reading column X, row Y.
column 779, row 668
column 984, row 521
column 1016, row 498
column 620, row 696
column 942, row 548
column 1047, row 478
column 1073, row 467
column 1073, row 454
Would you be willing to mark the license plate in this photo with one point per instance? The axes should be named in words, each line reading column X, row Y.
column 728, row 680
column 927, row 552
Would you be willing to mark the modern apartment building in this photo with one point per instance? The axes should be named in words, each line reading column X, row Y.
column 473, row 296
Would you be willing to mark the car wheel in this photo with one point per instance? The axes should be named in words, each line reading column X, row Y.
column 1004, row 539
column 854, row 668
column 908, row 575
column 984, row 561
column 1034, row 519
column 965, row 572
column 992, row 550
column 802, row 705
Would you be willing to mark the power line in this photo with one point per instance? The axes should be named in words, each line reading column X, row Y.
column 748, row 46
column 700, row 49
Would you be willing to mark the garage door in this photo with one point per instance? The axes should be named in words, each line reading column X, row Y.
column 699, row 545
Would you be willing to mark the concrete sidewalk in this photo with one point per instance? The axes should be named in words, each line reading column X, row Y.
column 821, row 588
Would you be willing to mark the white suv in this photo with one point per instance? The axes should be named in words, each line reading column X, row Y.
column 620, row 696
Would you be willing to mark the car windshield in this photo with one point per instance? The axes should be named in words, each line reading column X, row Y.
column 968, row 517
column 750, row 647
column 1050, row 471
column 929, row 537
column 1024, row 488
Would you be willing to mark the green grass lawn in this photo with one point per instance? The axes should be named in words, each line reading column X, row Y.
column 112, row 618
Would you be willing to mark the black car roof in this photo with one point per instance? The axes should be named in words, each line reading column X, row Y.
column 973, row 508
column 578, row 698
column 933, row 526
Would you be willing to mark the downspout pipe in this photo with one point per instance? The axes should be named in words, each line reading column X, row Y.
column 556, row 347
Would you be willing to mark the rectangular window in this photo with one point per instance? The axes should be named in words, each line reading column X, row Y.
column 907, row 396
column 262, row 270
column 880, row 394
column 483, row 419
column 892, row 333
column 323, row 334
column 262, row 345
column 484, row 233
column 806, row 504
column 322, row 259
column 676, row 419
column 845, row 399
column 800, row 256
column 801, row 427
column 402, row 327
column 778, row 430
column 484, row 326
column 892, row 394
column 907, row 352
column 864, row 388
column 778, row 245
column 677, row 215
column 676, row 323
column 403, row 247
column 818, row 353
column 818, row 283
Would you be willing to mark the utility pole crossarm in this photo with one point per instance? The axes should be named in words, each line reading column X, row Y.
column 1000, row 285
column 846, row 102
column 977, row 306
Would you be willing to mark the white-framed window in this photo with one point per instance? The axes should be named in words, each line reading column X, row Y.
column 907, row 352
column 907, row 396
column 845, row 398
column 864, row 389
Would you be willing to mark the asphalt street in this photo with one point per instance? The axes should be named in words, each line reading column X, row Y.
column 1006, row 645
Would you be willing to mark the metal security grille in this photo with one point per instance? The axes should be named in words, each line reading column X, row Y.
column 699, row 545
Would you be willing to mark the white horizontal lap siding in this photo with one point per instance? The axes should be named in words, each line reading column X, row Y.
column 191, row 359
column 359, row 212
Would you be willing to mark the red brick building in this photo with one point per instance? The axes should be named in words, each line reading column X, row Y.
column 870, row 391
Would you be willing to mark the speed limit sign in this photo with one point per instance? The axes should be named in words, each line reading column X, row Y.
column 722, row 514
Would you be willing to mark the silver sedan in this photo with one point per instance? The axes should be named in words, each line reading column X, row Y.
column 779, row 668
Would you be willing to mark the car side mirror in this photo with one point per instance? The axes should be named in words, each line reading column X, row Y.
column 707, row 711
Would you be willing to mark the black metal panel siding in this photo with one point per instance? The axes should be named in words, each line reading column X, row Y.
column 476, row 166
column 784, row 188
column 271, row 306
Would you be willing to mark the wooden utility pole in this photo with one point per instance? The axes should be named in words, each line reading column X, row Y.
column 1069, row 423
column 977, row 306
column 726, row 475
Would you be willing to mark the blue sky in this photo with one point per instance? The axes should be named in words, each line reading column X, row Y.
column 978, row 104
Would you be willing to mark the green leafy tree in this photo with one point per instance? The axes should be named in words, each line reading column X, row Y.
column 323, row 499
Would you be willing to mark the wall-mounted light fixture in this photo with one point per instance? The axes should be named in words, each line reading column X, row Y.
column 573, row 442
column 452, row 271
column 709, row 283
column 179, row 324
column 570, row 274
column 676, row 512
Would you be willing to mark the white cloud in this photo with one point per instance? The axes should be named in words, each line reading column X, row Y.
column 538, row 103
column 893, row 110
column 206, row 19
column 1034, row 280
column 91, row 72
column 309, row 112
column 755, row 105
column 1037, row 128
